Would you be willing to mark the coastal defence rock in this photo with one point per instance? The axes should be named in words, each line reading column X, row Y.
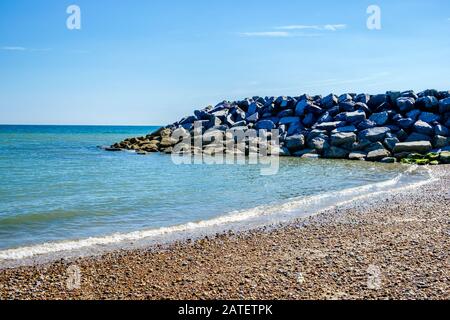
column 347, row 126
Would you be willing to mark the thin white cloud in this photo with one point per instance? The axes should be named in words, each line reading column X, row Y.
column 17, row 48
column 14, row 48
column 278, row 34
column 326, row 27
column 270, row 34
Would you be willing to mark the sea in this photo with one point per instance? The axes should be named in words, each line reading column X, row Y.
column 61, row 193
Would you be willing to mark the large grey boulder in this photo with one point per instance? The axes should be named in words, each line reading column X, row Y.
column 357, row 155
column 295, row 142
column 440, row 130
column 374, row 134
column 416, row 146
column 429, row 117
column 405, row 104
column 440, row 141
column 428, row 102
column 366, row 124
column 390, row 143
column 417, row 137
column 378, row 155
column 377, row 100
column 351, row 128
column 289, row 120
column 265, row 125
column 253, row 117
column 444, row 105
column 405, row 123
column 318, row 143
column 423, row 127
column 343, row 138
column 309, row 120
column 336, row 153
column 355, row 117
column 329, row 126
column 301, row 107
column 380, row 118
column 330, row 101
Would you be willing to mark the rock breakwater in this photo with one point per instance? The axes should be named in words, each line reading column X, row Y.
column 410, row 127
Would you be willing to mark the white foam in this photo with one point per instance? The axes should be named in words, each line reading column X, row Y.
column 293, row 208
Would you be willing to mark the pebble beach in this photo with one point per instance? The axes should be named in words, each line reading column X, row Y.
column 393, row 246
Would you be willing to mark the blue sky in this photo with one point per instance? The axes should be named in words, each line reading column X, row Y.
column 152, row 62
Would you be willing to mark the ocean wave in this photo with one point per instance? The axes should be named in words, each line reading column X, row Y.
column 294, row 208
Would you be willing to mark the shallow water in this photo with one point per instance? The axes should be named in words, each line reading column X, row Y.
column 57, row 185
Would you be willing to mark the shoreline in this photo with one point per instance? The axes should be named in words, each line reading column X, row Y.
column 251, row 219
column 326, row 256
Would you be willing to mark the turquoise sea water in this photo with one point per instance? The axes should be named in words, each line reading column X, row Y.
column 55, row 185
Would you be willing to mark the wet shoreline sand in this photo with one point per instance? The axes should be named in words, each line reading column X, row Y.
column 395, row 246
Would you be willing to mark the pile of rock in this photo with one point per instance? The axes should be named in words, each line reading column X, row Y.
column 384, row 127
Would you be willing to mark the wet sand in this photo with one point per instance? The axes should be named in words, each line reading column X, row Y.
column 395, row 246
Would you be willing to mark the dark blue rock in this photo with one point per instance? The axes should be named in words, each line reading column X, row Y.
column 285, row 113
column 329, row 126
column 374, row 134
column 414, row 114
column 326, row 117
column 289, row 120
column 265, row 125
column 340, row 117
column 380, row 118
column 253, row 108
column 295, row 142
column 344, row 98
column 402, row 135
column 429, row 117
column 390, row 143
column 405, row 104
column 252, row 117
column 343, row 138
column 333, row 111
column 423, row 127
column 417, row 137
column 366, row 124
column 309, row 120
column 295, row 128
column 329, row 101
column 314, row 109
column 410, row 94
column 355, row 117
column 345, row 129
column 440, row 130
column 201, row 114
column 428, row 102
column 444, row 105
column 429, row 92
column 336, row 153
column 301, row 106
column 362, row 98
column 405, row 123
column 362, row 107
column 393, row 96
column 347, row 106
column 188, row 120
column 376, row 101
